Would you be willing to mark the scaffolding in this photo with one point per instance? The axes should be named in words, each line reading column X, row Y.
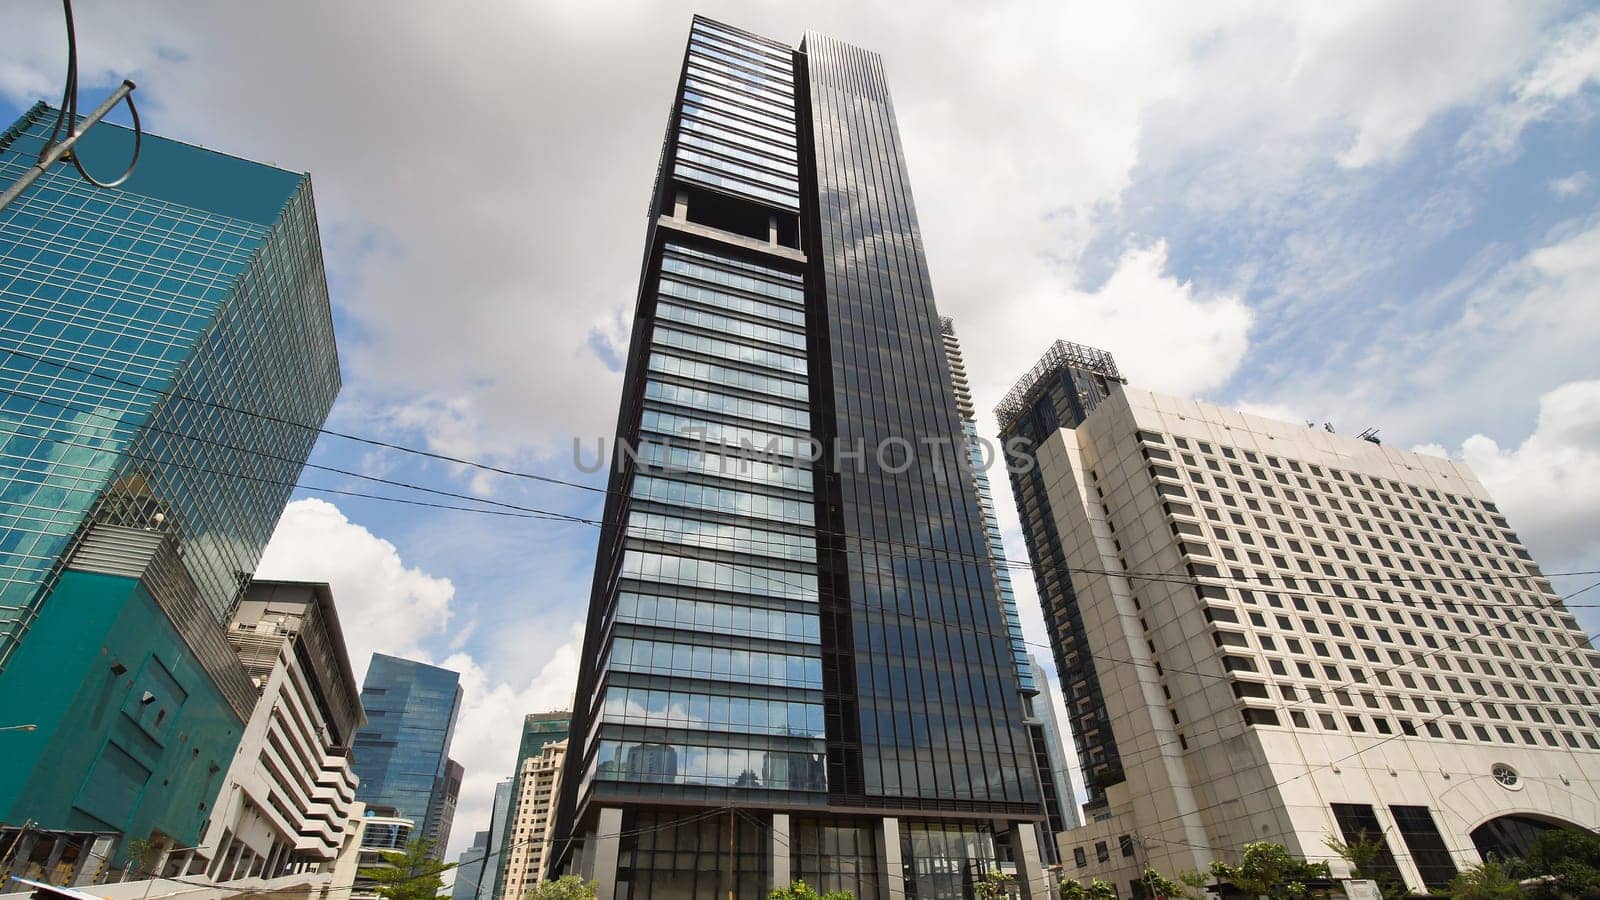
column 1061, row 356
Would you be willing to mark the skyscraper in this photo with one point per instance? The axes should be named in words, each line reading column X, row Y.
column 1067, row 384
column 1308, row 636
column 470, row 868
column 402, row 755
column 1040, row 719
column 539, row 730
column 796, row 664
column 166, row 357
column 532, row 823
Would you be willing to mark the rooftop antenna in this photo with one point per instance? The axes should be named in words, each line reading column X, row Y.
column 64, row 136
column 1370, row 436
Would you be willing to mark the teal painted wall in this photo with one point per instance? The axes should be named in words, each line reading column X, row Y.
column 101, row 760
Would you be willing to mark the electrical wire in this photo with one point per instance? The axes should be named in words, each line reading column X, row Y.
column 67, row 114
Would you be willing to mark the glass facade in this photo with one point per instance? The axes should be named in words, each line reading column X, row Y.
column 928, row 707
column 156, row 343
column 759, row 636
column 402, row 755
column 1061, row 390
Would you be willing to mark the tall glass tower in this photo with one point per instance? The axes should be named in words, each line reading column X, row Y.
column 1069, row 382
column 402, row 756
column 166, row 358
column 797, row 666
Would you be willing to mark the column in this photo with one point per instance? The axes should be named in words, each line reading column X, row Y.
column 782, row 877
column 607, row 842
column 894, row 876
column 1030, row 869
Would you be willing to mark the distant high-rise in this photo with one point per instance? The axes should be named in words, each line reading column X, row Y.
column 1298, row 636
column 980, row 456
column 532, row 822
column 538, row 731
column 402, row 755
column 1063, row 388
column 1055, row 746
column 812, row 638
column 166, row 358
column 470, row 868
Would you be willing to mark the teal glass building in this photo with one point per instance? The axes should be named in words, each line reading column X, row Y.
column 166, row 358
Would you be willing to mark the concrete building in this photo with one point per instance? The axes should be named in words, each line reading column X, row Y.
column 1299, row 635
column 370, row 833
column 158, row 338
column 402, row 754
column 539, row 730
column 287, row 797
column 757, row 638
column 532, row 830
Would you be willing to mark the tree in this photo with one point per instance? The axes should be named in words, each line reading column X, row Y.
column 1366, row 858
column 409, row 874
column 1488, row 880
column 567, row 887
column 1565, row 862
column 1269, row 871
column 1097, row 889
column 1187, row 887
column 802, row 891
column 992, row 886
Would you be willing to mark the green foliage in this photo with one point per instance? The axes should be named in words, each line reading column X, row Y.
column 567, row 887
column 1188, row 886
column 992, row 886
column 1072, row 889
column 409, row 874
column 1487, row 881
column 802, row 891
column 1363, row 856
column 1565, row 862
column 1269, row 871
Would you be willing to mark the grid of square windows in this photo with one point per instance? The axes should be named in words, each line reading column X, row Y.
column 1351, row 602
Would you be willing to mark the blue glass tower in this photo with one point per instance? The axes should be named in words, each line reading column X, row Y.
column 403, row 755
column 166, row 358
column 797, row 661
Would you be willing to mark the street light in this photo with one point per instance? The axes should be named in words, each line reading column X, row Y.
column 28, row 727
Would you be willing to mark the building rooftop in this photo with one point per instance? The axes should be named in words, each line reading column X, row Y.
column 1061, row 356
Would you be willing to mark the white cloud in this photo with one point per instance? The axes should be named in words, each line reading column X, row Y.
column 1571, row 185
column 1549, row 485
column 1569, row 64
column 384, row 605
column 389, row 607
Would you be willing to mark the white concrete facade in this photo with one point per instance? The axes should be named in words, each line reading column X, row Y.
column 1284, row 619
column 288, row 795
column 532, row 829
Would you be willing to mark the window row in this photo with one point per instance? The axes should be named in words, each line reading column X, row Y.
column 735, row 273
column 733, row 466
column 716, row 663
column 689, row 171
column 745, row 353
column 726, row 376
column 729, row 536
column 728, row 404
column 721, row 618
column 712, row 712
column 695, row 430
column 723, row 500
column 789, row 315
column 728, row 767
column 739, row 577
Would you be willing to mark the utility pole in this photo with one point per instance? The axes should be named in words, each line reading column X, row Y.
column 733, row 877
column 57, row 152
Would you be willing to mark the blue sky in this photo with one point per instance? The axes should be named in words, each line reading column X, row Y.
column 1375, row 214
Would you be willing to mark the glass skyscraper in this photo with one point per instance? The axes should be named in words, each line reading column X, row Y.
column 166, row 358
column 796, row 662
column 1067, row 384
column 403, row 754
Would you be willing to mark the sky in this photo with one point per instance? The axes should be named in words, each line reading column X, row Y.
column 1373, row 214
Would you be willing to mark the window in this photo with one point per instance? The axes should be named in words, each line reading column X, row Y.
column 1079, row 858
column 1102, row 853
column 1427, row 847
